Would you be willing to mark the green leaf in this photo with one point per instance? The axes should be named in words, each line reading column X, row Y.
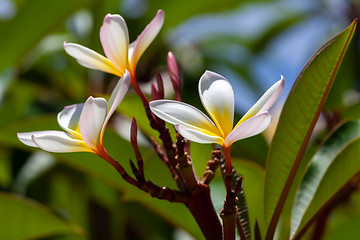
column 348, row 230
column 5, row 168
column 344, row 221
column 23, row 218
column 316, row 173
column 37, row 164
column 34, row 20
column 299, row 116
column 130, row 107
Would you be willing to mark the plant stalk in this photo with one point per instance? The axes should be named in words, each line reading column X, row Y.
column 202, row 209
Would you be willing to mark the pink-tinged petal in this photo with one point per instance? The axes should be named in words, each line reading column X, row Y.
column 91, row 121
column 217, row 96
column 266, row 101
column 184, row 115
column 250, row 127
column 198, row 136
column 116, row 97
column 145, row 39
column 69, row 117
column 58, row 141
column 114, row 38
column 91, row 59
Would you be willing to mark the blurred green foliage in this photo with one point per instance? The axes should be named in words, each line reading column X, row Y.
column 78, row 195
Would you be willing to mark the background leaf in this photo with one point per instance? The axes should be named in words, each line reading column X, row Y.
column 317, row 171
column 297, row 121
column 26, row 219
column 27, row 28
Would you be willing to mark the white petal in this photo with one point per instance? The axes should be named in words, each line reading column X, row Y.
column 217, row 96
column 116, row 97
column 266, row 101
column 91, row 59
column 26, row 139
column 114, row 38
column 69, row 117
column 91, row 121
column 119, row 92
column 58, row 141
column 145, row 39
column 183, row 114
column 250, row 127
column 198, row 136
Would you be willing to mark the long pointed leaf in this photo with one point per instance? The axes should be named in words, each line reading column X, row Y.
column 297, row 121
column 318, row 170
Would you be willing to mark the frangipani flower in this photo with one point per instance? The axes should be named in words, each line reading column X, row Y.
column 114, row 37
column 217, row 96
column 83, row 124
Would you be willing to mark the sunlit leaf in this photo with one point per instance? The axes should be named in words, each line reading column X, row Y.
column 298, row 118
column 23, row 218
column 317, row 171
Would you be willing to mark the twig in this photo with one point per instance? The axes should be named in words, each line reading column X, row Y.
column 212, row 165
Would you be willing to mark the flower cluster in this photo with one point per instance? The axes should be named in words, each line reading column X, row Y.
column 84, row 124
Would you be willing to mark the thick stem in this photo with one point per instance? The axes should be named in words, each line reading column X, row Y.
column 228, row 213
column 202, row 209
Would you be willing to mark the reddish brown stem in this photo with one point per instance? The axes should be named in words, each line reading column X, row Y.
column 104, row 155
column 202, row 209
column 135, row 86
column 228, row 215
column 135, row 146
column 228, row 168
column 165, row 193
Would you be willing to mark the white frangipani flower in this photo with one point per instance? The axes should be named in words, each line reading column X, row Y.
column 217, row 97
column 114, row 37
column 83, row 124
